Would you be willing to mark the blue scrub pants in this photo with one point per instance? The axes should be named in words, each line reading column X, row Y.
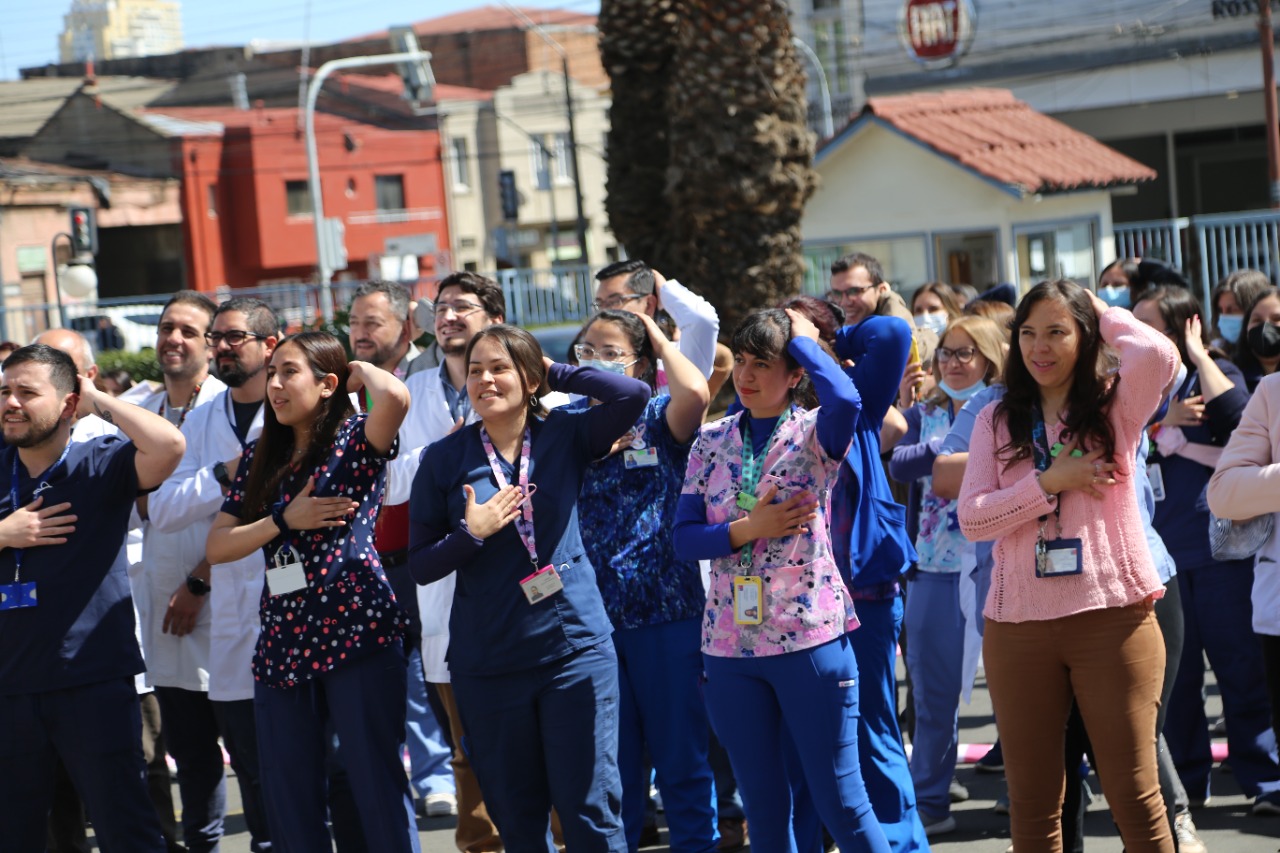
column 935, row 658
column 661, row 707
column 812, row 696
column 428, row 753
column 97, row 732
column 544, row 737
column 880, row 750
column 191, row 736
column 1218, row 611
column 240, row 736
column 364, row 700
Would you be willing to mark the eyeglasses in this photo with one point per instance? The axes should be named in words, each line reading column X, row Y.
column 849, row 293
column 233, row 339
column 586, row 351
column 964, row 354
column 616, row 301
column 461, row 310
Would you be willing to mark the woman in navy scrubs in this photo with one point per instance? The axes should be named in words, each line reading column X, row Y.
column 307, row 493
column 530, row 655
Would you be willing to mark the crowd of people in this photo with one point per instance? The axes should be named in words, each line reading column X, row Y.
column 555, row 582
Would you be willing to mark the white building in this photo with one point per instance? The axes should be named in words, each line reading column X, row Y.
column 117, row 29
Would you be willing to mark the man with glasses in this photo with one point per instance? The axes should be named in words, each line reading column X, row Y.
column 381, row 333
column 632, row 286
column 859, row 287
column 242, row 337
column 466, row 302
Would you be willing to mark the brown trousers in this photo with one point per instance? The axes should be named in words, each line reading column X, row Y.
column 1112, row 662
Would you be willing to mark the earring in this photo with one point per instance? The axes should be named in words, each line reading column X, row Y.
column 533, row 401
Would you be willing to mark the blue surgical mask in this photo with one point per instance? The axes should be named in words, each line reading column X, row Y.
column 1117, row 297
column 936, row 321
column 962, row 394
column 1229, row 326
column 615, row 367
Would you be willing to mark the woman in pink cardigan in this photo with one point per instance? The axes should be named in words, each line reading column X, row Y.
column 1070, row 612
column 1246, row 483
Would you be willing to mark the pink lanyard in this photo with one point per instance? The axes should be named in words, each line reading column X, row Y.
column 524, row 524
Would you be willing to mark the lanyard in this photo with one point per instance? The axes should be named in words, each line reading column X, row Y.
column 231, row 419
column 13, row 498
column 182, row 411
column 752, row 468
column 1043, row 456
column 524, row 524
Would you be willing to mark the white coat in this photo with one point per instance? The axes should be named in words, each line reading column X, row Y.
column 167, row 559
column 188, row 502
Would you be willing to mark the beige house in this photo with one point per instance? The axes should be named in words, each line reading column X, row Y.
column 522, row 130
column 968, row 187
column 119, row 29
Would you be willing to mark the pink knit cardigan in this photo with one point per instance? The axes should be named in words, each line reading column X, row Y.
column 1005, row 503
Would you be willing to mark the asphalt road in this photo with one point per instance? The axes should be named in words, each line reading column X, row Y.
column 1225, row 825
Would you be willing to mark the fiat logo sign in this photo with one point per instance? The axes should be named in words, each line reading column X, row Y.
column 936, row 33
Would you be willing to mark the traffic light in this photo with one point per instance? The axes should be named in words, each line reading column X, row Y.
column 84, row 231
column 510, row 198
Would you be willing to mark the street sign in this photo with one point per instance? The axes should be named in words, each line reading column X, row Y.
column 936, row 33
column 411, row 244
column 335, row 244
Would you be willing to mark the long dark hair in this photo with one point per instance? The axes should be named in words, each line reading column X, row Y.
column 1245, row 359
column 271, row 459
column 1176, row 306
column 637, row 335
column 1092, row 387
column 525, row 353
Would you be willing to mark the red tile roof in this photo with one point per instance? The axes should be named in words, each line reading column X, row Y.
column 486, row 18
column 996, row 135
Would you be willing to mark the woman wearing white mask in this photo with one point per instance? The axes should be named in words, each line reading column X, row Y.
column 970, row 357
column 933, row 306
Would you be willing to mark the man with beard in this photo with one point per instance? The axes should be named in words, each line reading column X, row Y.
column 242, row 337
column 380, row 330
column 172, row 583
column 465, row 303
column 68, row 653
column 381, row 334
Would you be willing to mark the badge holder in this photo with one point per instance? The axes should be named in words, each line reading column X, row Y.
column 1059, row 557
column 748, row 601
column 543, row 583
column 17, row 595
column 288, row 575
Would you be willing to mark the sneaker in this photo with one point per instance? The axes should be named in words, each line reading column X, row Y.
column 937, row 825
column 1002, row 804
column 439, row 805
column 1267, row 805
column 958, row 792
column 1185, row 830
column 992, row 762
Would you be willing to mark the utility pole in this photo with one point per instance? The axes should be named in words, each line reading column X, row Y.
column 1269, row 100
column 581, row 224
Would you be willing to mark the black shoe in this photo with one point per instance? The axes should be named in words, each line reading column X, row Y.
column 992, row 762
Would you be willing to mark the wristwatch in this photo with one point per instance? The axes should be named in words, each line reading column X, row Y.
column 220, row 474
column 196, row 586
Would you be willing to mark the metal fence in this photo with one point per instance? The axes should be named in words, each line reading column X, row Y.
column 534, row 298
column 1207, row 248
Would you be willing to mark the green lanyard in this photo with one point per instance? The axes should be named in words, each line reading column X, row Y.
column 752, row 469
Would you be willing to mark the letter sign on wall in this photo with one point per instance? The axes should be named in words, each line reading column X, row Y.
column 936, row 33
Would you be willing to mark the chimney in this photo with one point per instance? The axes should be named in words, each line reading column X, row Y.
column 239, row 91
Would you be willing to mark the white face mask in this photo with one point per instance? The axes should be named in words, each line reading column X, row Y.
column 962, row 394
column 937, row 322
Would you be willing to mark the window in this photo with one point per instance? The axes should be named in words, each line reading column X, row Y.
column 458, row 165
column 563, row 151
column 297, row 198
column 538, row 165
column 213, row 201
column 1049, row 251
column 389, row 190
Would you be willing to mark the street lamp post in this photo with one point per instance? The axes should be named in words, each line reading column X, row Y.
column 828, row 124
column 324, row 258
column 79, row 274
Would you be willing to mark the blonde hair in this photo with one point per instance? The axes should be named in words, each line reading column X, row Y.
column 989, row 340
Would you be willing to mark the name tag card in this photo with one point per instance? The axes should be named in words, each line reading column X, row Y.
column 543, row 583
column 748, row 601
column 1059, row 558
column 283, row 580
column 15, row 596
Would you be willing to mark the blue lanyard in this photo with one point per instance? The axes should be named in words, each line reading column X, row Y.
column 231, row 419
column 13, row 499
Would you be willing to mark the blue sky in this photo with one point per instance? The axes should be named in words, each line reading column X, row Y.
column 29, row 32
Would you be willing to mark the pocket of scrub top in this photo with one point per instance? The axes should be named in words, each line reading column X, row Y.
column 796, row 602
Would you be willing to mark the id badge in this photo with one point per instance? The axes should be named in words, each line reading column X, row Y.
column 748, row 604
column 283, row 580
column 1156, row 475
column 14, row 596
column 543, row 583
column 1059, row 558
column 644, row 458
column 747, row 501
